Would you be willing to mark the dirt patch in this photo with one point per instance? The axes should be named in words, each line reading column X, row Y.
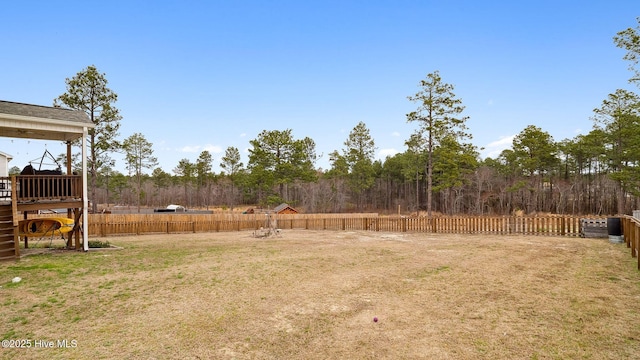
column 314, row 294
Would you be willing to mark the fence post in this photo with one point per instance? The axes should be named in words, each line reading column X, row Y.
column 626, row 223
column 634, row 238
column 634, row 241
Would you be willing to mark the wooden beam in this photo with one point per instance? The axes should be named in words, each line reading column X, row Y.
column 76, row 227
column 14, row 216
column 14, row 201
column 69, row 157
column 16, row 241
column 48, row 205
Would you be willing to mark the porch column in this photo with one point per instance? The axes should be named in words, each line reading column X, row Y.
column 85, row 193
column 69, row 169
column 69, row 212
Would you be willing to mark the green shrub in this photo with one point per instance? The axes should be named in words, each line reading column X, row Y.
column 99, row 244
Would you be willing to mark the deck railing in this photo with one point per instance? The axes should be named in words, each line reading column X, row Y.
column 41, row 187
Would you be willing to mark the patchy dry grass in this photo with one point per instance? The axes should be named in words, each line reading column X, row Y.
column 313, row 295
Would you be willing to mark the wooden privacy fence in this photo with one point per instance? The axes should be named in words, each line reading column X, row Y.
column 129, row 224
column 631, row 232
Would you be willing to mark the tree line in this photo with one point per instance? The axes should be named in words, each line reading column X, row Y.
column 439, row 171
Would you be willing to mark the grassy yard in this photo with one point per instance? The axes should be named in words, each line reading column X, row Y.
column 313, row 295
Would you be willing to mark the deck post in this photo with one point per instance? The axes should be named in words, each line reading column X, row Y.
column 85, row 193
column 14, row 216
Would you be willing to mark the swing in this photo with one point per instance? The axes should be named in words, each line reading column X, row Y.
column 47, row 155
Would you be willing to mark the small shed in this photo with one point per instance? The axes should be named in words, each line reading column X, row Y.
column 176, row 208
column 172, row 208
column 284, row 209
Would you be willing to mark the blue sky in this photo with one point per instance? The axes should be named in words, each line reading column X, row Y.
column 206, row 75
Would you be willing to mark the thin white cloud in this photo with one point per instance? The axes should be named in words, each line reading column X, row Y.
column 494, row 148
column 395, row 134
column 214, row 149
column 383, row 153
column 503, row 141
column 190, row 149
column 243, row 134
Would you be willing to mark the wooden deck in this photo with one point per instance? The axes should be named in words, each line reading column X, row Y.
column 22, row 194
